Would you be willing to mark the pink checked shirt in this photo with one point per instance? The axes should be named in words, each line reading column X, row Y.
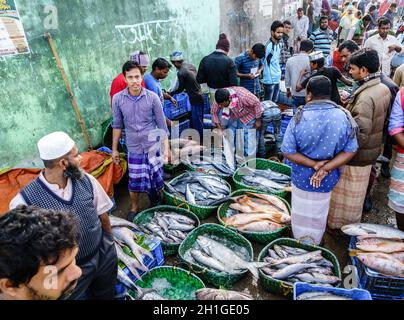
column 247, row 109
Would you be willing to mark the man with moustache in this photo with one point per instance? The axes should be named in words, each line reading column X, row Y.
column 38, row 254
column 64, row 186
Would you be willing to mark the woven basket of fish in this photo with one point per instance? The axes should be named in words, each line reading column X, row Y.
column 170, row 225
column 221, row 163
column 167, row 283
column 198, row 192
column 264, row 175
column 218, row 255
column 290, row 261
column 259, row 216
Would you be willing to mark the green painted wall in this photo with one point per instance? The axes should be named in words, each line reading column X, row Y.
column 93, row 40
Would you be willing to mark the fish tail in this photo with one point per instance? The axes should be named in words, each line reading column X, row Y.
column 354, row 253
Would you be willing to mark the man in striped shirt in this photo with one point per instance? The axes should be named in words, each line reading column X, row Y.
column 322, row 37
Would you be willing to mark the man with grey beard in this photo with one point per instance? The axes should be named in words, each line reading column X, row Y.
column 64, row 186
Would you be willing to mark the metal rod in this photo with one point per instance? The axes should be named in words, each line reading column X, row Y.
column 69, row 90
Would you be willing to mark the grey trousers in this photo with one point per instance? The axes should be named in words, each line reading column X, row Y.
column 99, row 275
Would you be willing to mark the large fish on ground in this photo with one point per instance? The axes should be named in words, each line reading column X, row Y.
column 382, row 263
column 372, row 230
column 217, row 294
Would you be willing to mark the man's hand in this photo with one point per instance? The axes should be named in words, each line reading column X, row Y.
column 258, row 124
column 318, row 177
column 168, row 158
column 288, row 93
column 320, row 164
column 251, row 76
column 115, row 157
column 303, row 72
column 174, row 102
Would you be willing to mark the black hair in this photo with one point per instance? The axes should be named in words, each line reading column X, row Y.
column 350, row 45
column 275, row 25
column 287, row 22
column 383, row 21
column 394, row 5
column 320, row 62
column 30, row 237
column 300, row 9
column 161, row 63
column 366, row 58
column 372, row 8
column 306, row 46
column 367, row 18
column 259, row 50
column 222, row 95
column 324, row 18
column 130, row 65
column 319, row 87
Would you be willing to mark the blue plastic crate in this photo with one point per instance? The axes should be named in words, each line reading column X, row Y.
column 183, row 106
column 178, row 128
column 380, row 287
column 207, row 121
column 355, row 294
column 206, row 103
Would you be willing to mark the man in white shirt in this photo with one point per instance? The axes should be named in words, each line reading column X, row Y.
column 300, row 24
column 386, row 45
column 64, row 186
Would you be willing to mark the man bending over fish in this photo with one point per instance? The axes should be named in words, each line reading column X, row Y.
column 321, row 138
column 238, row 109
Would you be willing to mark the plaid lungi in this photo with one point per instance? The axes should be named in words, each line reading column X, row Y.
column 145, row 174
column 309, row 215
column 348, row 197
column 396, row 194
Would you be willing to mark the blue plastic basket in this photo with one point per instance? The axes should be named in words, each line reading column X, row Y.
column 206, row 103
column 183, row 106
column 177, row 129
column 380, row 287
column 207, row 121
column 355, row 294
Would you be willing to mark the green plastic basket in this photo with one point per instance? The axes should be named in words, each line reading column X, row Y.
column 262, row 164
column 174, row 168
column 183, row 284
column 202, row 212
column 217, row 279
column 190, row 167
column 144, row 217
column 281, row 287
column 260, row 237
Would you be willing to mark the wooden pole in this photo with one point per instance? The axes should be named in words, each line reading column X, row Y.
column 69, row 90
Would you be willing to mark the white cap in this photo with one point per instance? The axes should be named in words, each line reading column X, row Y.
column 55, row 145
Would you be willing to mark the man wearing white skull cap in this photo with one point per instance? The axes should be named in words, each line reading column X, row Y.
column 63, row 185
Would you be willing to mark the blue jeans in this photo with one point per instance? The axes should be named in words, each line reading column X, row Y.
column 270, row 114
column 246, row 133
column 271, row 92
column 297, row 102
column 197, row 119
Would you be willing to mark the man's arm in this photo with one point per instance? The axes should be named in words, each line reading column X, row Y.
column 105, row 223
column 300, row 159
column 215, row 115
column 301, row 85
column 181, row 84
column 233, row 75
column 116, row 135
column 288, row 79
column 117, row 126
column 201, row 76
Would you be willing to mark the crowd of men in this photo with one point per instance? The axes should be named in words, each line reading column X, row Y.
column 342, row 65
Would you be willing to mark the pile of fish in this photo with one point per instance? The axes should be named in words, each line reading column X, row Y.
column 124, row 236
column 183, row 149
column 318, row 295
column 297, row 265
column 199, row 189
column 169, row 227
column 380, row 248
column 215, row 256
column 257, row 213
column 267, row 180
column 218, row 294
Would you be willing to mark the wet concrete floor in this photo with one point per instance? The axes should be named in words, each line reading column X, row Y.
column 380, row 214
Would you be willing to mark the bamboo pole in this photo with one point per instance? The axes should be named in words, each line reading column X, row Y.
column 69, row 90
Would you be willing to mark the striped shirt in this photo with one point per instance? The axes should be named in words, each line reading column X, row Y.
column 247, row 109
column 244, row 65
column 322, row 41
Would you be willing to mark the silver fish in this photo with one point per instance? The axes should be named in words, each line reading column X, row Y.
column 227, row 256
column 118, row 222
column 304, row 258
column 207, row 261
column 162, row 223
column 125, row 280
column 180, row 218
column 373, row 230
column 132, row 264
column 125, row 235
column 174, row 225
column 216, row 294
column 156, row 230
column 291, row 270
column 317, row 278
column 280, row 251
column 229, row 153
column 189, row 196
column 321, row 296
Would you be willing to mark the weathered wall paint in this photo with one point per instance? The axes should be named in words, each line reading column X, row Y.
column 94, row 39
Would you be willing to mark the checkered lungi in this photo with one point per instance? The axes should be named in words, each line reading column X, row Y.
column 145, row 174
column 396, row 194
column 348, row 197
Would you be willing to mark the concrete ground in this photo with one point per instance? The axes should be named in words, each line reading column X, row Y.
column 381, row 214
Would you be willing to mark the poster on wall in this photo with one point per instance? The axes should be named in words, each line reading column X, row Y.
column 12, row 36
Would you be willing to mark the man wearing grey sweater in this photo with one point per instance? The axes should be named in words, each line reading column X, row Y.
column 294, row 67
